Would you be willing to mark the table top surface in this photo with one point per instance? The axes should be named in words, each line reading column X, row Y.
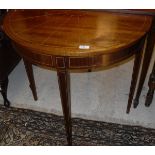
column 74, row 32
column 150, row 12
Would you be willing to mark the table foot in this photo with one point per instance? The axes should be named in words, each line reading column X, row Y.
column 135, row 103
column 7, row 103
column 29, row 71
column 64, row 87
column 149, row 97
column 4, row 86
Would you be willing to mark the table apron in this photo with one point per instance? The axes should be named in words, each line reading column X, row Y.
column 71, row 62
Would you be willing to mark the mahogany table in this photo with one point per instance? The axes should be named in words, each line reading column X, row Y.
column 147, row 58
column 150, row 43
column 67, row 40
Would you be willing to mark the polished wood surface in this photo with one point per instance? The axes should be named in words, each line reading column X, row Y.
column 146, row 12
column 63, row 32
column 67, row 40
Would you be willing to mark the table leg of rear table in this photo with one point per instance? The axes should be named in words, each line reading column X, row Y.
column 151, row 84
column 64, row 87
column 146, row 62
column 136, row 68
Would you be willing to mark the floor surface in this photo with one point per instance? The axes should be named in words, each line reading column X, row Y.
column 98, row 96
column 30, row 128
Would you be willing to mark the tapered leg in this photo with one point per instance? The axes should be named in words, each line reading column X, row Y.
column 150, row 93
column 64, row 86
column 3, row 90
column 146, row 63
column 136, row 68
column 29, row 71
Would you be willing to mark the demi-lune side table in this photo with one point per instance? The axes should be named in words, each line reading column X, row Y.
column 150, row 43
column 67, row 40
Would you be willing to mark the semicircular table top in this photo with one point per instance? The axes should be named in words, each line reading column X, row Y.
column 74, row 32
